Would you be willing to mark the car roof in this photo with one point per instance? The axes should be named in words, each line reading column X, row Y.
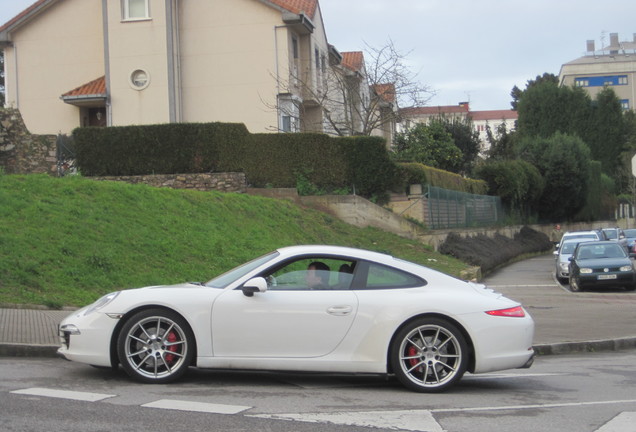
column 333, row 250
column 600, row 243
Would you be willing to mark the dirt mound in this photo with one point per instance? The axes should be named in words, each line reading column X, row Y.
column 492, row 252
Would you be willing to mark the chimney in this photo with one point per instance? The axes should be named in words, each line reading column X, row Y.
column 590, row 46
column 614, row 45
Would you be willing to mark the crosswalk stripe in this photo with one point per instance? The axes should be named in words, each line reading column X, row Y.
column 180, row 405
column 409, row 420
column 64, row 394
column 624, row 422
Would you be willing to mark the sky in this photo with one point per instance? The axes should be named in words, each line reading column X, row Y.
column 468, row 50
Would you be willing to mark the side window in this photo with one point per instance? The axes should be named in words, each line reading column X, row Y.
column 312, row 273
column 383, row 277
column 135, row 9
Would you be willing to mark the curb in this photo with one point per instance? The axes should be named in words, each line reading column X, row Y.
column 589, row 346
column 28, row 350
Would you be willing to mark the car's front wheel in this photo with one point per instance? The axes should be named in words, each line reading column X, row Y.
column 574, row 285
column 429, row 355
column 155, row 346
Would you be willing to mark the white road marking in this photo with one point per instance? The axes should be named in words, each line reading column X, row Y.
column 541, row 406
column 411, row 420
column 624, row 422
column 423, row 420
column 64, row 394
column 180, row 405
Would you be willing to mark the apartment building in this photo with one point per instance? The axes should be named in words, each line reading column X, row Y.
column 613, row 65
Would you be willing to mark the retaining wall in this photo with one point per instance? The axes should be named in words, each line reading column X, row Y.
column 20, row 151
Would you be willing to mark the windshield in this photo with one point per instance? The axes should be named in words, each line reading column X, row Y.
column 631, row 233
column 610, row 234
column 600, row 251
column 230, row 276
column 568, row 248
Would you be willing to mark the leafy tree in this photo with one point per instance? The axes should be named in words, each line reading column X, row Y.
column 516, row 92
column 517, row 182
column 607, row 133
column 430, row 145
column 563, row 162
column 545, row 109
column 466, row 139
column 501, row 143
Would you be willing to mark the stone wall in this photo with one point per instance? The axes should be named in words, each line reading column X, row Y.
column 224, row 182
column 21, row 152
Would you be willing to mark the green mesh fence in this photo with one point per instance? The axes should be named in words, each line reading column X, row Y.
column 452, row 209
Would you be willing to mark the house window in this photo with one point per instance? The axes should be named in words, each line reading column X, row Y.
column 286, row 123
column 625, row 104
column 582, row 82
column 295, row 47
column 622, row 80
column 136, row 9
column 139, row 79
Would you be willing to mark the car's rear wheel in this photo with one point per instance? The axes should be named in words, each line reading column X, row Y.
column 155, row 346
column 429, row 355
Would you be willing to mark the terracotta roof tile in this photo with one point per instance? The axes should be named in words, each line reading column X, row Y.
column 353, row 60
column 494, row 115
column 95, row 87
column 436, row 110
column 297, row 6
column 385, row 91
column 21, row 15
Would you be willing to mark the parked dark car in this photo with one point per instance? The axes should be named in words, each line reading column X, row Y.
column 617, row 235
column 630, row 237
column 601, row 264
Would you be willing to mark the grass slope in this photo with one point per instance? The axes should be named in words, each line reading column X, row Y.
column 67, row 241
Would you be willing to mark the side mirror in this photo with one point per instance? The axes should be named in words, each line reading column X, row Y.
column 571, row 258
column 255, row 285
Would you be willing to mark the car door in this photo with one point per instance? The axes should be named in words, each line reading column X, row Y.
column 288, row 320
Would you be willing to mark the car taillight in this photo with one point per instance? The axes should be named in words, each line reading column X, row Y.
column 516, row 312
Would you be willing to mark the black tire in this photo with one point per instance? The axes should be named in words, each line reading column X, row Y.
column 429, row 355
column 155, row 346
column 574, row 285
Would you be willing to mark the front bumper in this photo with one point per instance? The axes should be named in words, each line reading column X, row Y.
column 606, row 279
column 87, row 338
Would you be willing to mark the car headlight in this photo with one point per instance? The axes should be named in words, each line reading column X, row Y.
column 626, row 268
column 100, row 303
column 586, row 271
column 564, row 266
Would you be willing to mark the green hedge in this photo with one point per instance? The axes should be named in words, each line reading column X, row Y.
column 157, row 149
column 360, row 164
column 416, row 173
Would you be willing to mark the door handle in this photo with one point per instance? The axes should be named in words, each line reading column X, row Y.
column 339, row 310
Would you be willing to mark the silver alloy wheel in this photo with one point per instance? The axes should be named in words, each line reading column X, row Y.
column 574, row 285
column 154, row 346
column 431, row 356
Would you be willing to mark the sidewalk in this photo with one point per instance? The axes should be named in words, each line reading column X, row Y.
column 565, row 322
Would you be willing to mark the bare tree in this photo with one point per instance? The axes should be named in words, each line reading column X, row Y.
column 358, row 94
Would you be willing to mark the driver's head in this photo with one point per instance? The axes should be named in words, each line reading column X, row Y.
column 317, row 275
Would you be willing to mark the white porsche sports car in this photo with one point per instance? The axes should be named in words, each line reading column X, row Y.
column 308, row 308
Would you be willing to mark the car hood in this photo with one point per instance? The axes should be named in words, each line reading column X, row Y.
column 604, row 262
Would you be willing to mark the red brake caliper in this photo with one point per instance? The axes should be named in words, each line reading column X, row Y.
column 172, row 337
column 412, row 351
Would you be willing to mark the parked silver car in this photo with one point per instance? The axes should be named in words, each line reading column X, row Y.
column 562, row 261
column 581, row 236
